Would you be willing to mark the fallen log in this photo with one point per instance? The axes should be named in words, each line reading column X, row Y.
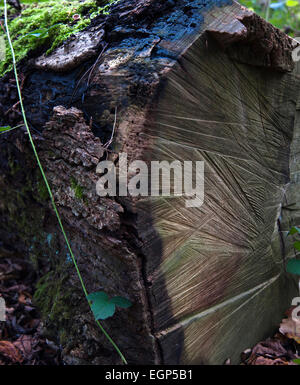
column 183, row 81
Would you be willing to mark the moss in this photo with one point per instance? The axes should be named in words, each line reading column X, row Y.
column 21, row 193
column 14, row 166
column 54, row 301
column 42, row 191
column 78, row 190
column 63, row 337
column 53, row 22
column 34, row 260
column 21, row 201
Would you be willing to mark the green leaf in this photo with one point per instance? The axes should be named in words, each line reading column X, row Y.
column 41, row 33
column 5, row 128
column 297, row 245
column 297, row 361
column 293, row 266
column 294, row 230
column 292, row 3
column 38, row 33
column 121, row 302
column 101, row 306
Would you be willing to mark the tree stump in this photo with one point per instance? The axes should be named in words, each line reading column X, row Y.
column 184, row 80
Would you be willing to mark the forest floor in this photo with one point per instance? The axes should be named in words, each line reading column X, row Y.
column 22, row 340
column 21, row 335
column 276, row 350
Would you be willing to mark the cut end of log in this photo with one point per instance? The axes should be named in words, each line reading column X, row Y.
column 249, row 39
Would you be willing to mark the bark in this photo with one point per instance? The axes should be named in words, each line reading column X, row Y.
column 187, row 81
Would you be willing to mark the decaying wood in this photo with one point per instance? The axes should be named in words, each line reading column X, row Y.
column 189, row 82
column 247, row 38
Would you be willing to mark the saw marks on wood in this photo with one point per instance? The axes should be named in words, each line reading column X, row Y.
column 220, row 270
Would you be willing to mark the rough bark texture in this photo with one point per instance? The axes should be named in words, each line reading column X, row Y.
column 205, row 282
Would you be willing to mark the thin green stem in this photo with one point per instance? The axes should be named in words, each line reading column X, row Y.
column 47, row 184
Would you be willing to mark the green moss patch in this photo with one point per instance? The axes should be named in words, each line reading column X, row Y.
column 51, row 297
column 78, row 190
column 46, row 24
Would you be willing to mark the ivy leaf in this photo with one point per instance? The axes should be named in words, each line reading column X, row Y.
column 103, row 307
column 121, row 302
column 293, row 266
column 292, row 3
column 294, row 230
